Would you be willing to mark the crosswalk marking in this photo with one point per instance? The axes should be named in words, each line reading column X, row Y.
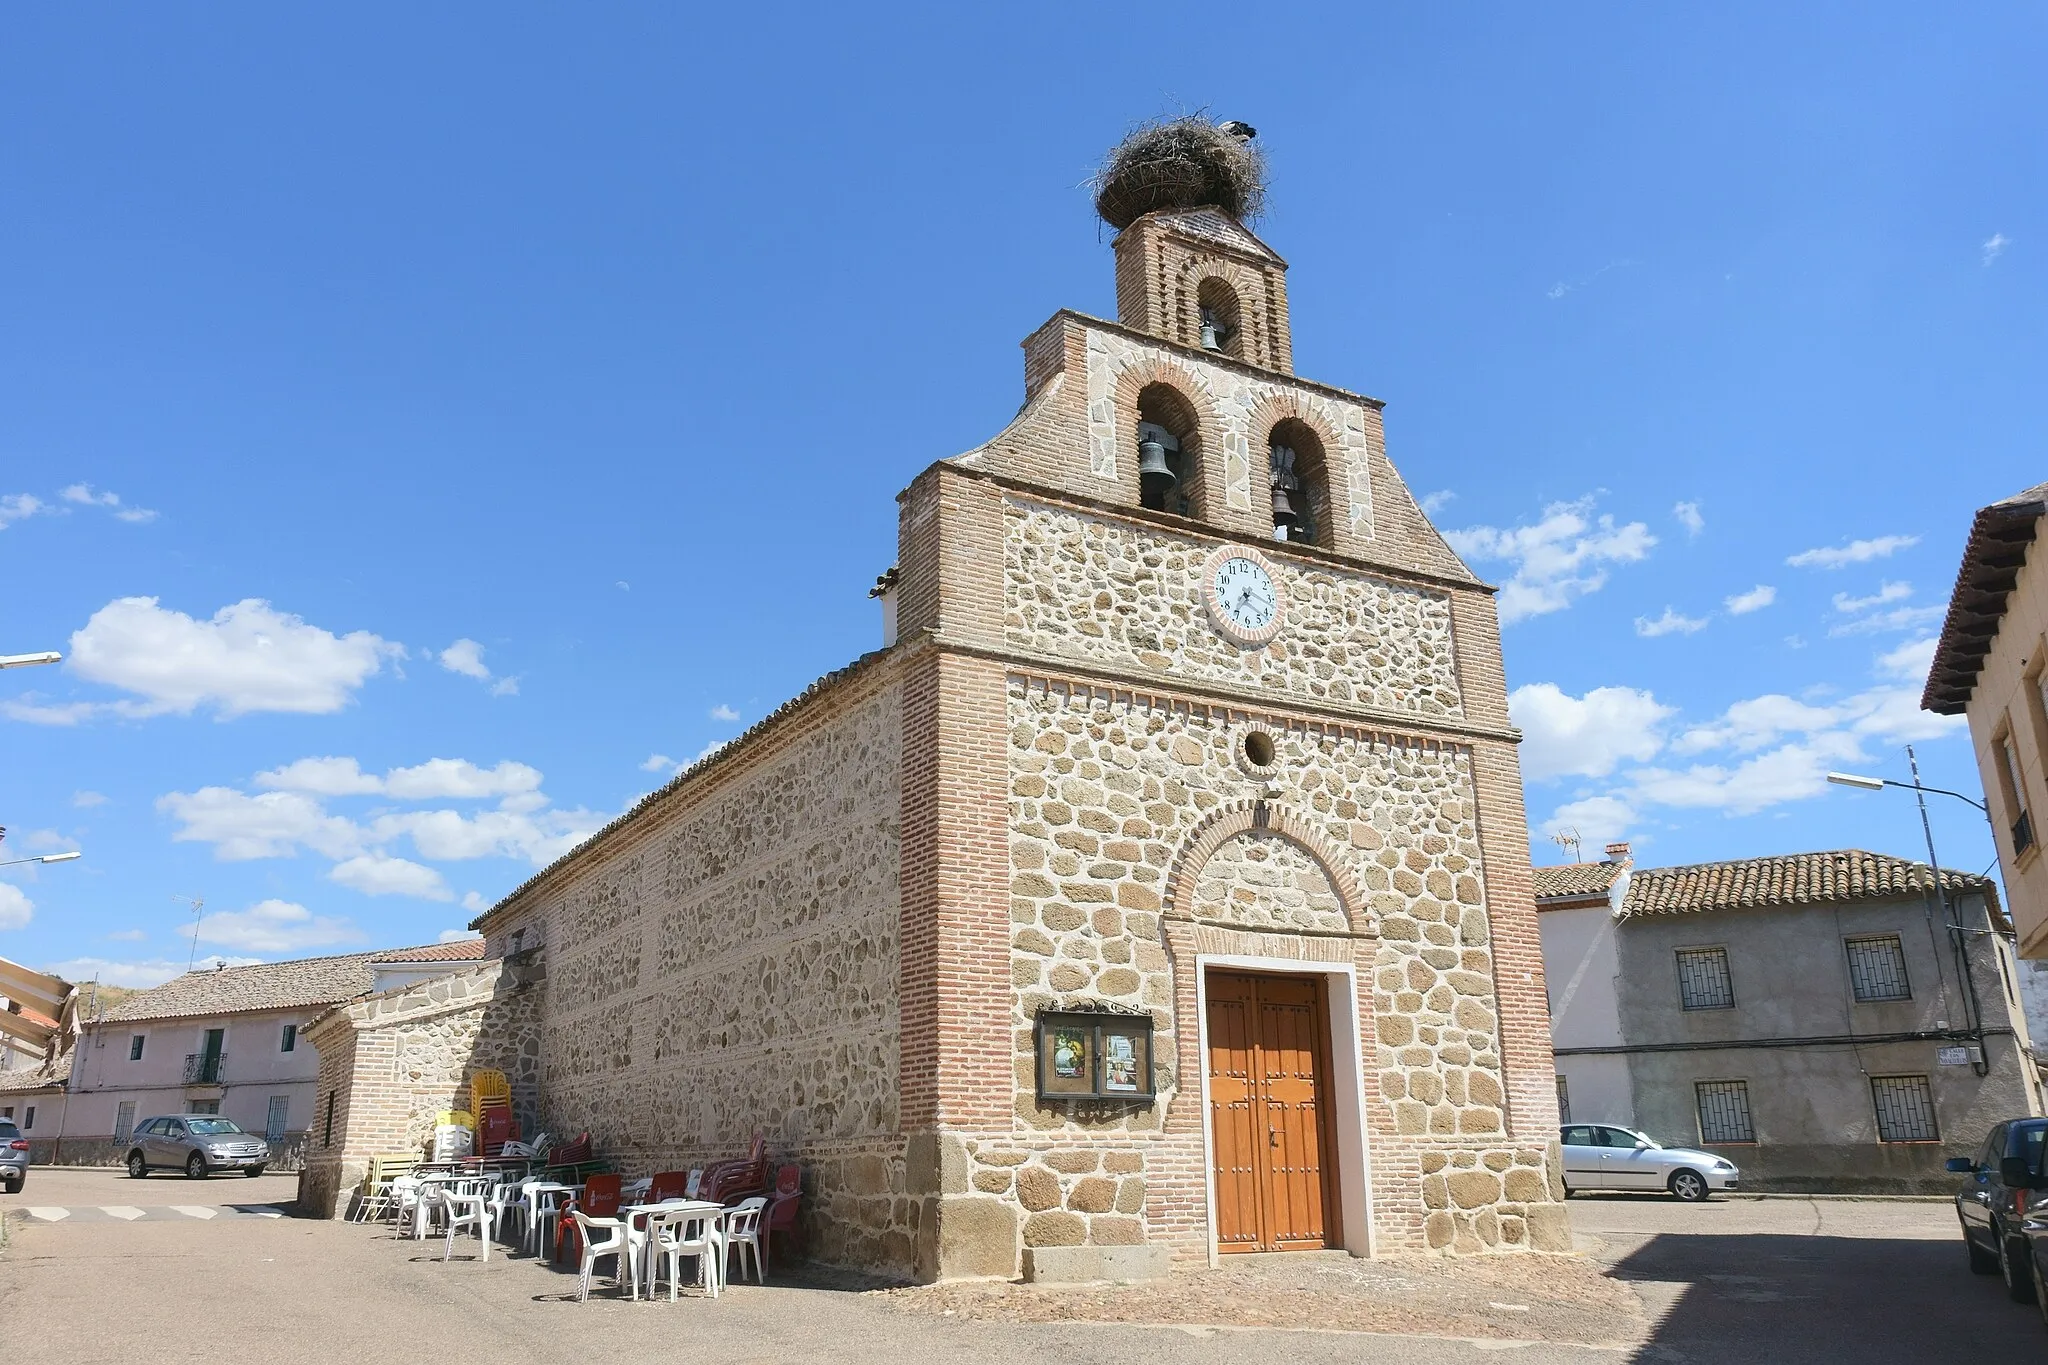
column 129, row 1213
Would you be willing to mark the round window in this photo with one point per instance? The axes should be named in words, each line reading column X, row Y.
column 1258, row 749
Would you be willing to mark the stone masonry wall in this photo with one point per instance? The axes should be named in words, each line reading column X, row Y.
column 734, row 968
column 1110, row 789
column 1117, row 595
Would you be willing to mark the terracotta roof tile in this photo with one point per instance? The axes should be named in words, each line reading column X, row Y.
column 1573, row 880
column 38, row 1077
column 1791, row 879
column 1999, row 539
column 461, row 950
column 263, row 986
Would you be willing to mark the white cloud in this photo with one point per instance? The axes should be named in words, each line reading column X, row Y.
column 1910, row 660
column 1899, row 618
column 1598, row 820
column 1556, row 561
column 271, row 825
column 276, row 926
column 136, row 975
column 379, row 874
column 459, row 779
column 129, row 935
column 722, row 712
column 321, row 777
column 1584, row 736
column 16, row 909
column 86, row 800
column 84, row 496
column 474, row 902
column 19, row 507
column 456, row 935
column 1670, row 623
column 1756, row 599
column 1754, row 723
column 467, row 658
column 1790, row 772
column 539, row 837
column 248, row 657
column 655, row 763
column 1855, row 552
column 1886, row 592
column 1994, row 246
column 1433, row 503
column 1688, row 514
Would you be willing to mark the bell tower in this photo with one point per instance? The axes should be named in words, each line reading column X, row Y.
column 1187, row 268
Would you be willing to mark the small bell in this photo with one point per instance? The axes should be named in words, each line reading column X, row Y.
column 1152, row 459
column 1210, row 331
column 1286, row 517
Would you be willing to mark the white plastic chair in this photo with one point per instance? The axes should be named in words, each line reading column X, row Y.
column 468, row 1207
column 742, row 1233
column 613, row 1245
column 506, row 1196
column 633, row 1189
column 689, row 1232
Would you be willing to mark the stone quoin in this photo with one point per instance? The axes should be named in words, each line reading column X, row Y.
column 1061, row 786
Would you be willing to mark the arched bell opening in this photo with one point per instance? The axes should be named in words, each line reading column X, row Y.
column 1298, row 476
column 1169, row 452
column 1220, row 319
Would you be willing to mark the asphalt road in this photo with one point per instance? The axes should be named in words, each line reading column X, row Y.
column 1732, row 1281
column 1750, row 1281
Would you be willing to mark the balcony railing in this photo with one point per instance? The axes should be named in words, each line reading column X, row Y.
column 204, row 1068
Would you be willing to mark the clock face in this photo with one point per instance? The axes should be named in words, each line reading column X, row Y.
column 1245, row 604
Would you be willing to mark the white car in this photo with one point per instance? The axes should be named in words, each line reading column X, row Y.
column 1603, row 1156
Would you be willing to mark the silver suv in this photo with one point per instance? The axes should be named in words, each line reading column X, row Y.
column 197, row 1144
column 13, row 1157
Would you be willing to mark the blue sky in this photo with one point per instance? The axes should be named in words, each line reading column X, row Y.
column 422, row 430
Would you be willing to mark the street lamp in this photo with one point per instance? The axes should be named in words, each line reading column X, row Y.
column 1954, row 923
column 48, row 656
column 45, row 858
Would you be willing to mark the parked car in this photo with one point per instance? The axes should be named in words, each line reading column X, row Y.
column 2003, row 1207
column 197, row 1144
column 1605, row 1156
column 13, row 1157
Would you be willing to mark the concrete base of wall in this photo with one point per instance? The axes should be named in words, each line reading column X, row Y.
column 1081, row 1265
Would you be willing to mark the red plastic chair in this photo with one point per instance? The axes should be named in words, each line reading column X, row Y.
column 668, row 1185
column 783, row 1207
column 600, row 1199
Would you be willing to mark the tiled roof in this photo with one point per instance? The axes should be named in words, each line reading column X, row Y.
column 1576, row 880
column 460, row 950
column 38, row 1077
column 263, row 986
column 1792, row 879
column 1218, row 227
column 1999, row 537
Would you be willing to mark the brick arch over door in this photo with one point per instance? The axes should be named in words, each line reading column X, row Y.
column 1204, row 445
column 1264, row 817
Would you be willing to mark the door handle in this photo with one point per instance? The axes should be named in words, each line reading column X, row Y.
column 1274, row 1135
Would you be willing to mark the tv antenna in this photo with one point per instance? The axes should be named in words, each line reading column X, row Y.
column 198, row 903
column 1567, row 838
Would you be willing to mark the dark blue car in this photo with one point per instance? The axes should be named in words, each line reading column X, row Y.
column 2003, row 1206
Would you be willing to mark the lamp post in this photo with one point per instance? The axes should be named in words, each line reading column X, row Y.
column 1953, row 923
column 45, row 858
column 48, row 656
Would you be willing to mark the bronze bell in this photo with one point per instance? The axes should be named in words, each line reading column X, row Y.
column 1152, row 459
column 1283, row 507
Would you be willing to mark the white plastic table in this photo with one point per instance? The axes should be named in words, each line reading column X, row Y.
column 640, row 1244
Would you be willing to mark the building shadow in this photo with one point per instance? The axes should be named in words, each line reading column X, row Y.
column 1757, row 1299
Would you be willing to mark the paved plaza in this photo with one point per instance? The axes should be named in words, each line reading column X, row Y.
column 1734, row 1280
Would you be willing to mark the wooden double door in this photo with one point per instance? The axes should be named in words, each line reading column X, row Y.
column 1272, row 1165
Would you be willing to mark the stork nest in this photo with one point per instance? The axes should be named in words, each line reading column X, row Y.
column 1179, row 163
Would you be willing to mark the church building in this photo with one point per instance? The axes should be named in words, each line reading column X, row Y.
column 1160, row 890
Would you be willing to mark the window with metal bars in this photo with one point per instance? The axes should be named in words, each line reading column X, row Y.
column 1905, row 1109
column 1877, row 968
column 1724, row 1112
column 1703, row 981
